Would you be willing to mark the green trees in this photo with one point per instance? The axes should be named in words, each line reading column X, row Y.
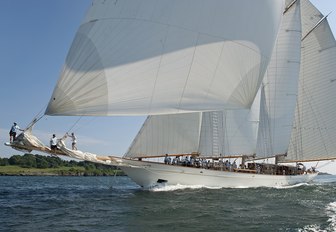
column 31, row 161
column 39, row 161
column 4, row 162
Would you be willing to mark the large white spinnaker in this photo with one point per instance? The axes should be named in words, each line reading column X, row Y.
column 314, row 131
column 280, row 87
column 160, row 57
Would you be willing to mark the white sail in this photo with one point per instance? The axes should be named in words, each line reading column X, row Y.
column 167, row 134
column 314, row 132
column 280, row 87
column 195, row 66
column 210, row 134
column 160, row 57
column 230, row 132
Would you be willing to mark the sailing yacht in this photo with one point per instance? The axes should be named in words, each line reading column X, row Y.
column 219, row 80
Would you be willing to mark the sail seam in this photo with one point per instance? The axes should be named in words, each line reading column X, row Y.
column 188, row 76
column 158, row 71
column 183, row 28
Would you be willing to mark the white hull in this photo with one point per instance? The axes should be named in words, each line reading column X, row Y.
column 148, row 174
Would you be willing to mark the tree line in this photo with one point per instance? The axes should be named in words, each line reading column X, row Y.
column 41, row 162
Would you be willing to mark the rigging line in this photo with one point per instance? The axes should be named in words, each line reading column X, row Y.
column 330, row 161
column 75, row 123
column 36, row 118
column 43, row 108
column 85, row 124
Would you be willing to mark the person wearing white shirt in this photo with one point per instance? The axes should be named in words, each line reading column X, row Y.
column 74, row 141
column 53, row 142
column 12, row 133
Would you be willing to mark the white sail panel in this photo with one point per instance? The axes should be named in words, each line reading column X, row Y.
column 158, row 57
column 212, row 134
column 314, row 132
column 230, row 132
column 167, row 134
column 280, row 87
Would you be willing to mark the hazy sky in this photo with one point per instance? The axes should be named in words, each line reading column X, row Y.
column 35, row 38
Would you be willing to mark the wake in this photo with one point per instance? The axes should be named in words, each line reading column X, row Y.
column 331, row 213
column 170, row 188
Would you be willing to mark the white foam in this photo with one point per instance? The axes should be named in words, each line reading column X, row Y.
column 168, row 188
column 292, row 186
column 311, row 228
column 331, row 212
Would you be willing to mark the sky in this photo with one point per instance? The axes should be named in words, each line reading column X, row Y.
column 34, row 40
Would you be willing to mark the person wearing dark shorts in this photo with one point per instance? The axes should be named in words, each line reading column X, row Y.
column 12, row 133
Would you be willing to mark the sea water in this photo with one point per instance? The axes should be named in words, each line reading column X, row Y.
column 117, row 204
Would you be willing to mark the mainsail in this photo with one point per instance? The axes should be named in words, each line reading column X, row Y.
column 164, row 57
column 314, row 129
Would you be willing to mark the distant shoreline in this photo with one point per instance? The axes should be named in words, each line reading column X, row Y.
column 13, row 170
column 38, row 165
column 53, row 174
column 324, row 173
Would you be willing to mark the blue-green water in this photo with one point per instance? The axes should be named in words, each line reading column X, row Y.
column 117, row 204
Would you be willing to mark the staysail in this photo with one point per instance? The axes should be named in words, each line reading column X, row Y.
column 209, row 134
column 279, row 90
column 314, row 129
column 163, row 57
column 167, row 134
column 230, row 133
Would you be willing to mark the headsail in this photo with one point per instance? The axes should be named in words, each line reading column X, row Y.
column 209, row 134
column 143, row 57
column 314, row 132
column 279, row 91
column 167, row 134
column 231, row 132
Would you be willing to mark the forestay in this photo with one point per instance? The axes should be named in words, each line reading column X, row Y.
column 160, row 57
